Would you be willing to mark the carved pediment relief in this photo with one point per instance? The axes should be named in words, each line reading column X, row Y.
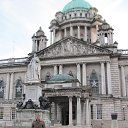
column 72, row 47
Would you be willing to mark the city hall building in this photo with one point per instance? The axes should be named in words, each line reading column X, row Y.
column 82, row 72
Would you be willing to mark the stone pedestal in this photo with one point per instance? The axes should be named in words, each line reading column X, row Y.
column 25, row 117
column 114, row 122
column 33, row 92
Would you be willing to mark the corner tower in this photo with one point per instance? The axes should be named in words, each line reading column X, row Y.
column 39, row 41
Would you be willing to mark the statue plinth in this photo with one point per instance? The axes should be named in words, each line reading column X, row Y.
column 33, row 92
column 25, row 117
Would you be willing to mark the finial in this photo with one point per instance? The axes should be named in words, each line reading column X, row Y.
column 40, row 28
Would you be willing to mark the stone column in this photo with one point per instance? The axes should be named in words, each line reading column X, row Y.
column 84, row 74
column 103, row 86
column 58, row 113
column 97, row 31
column 52, row 113
column 60, row 69
column 88, row 119
column 108, row 38
column 85, row 33
column 109, row 78
column 7, row 87
column 78, row 111
column 55, row 69
column 83, row 113
column 33, row 46
column 36, row 46
column 112, row 38
column 50, row 37
column 70, row 111
column 65, row 32
column 25, row 80
column 78, row 32
column 55, row 113
column 103, row 38
column 60, row 37
column 123, row 81
column 78, row 73
column 11, row 86
column 71, row 31
column 54, row 34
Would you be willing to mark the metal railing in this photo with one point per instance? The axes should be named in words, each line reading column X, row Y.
column 13, row 60
column 123, row 51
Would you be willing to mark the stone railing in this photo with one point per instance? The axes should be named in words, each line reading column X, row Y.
column 123, row 51
column 13, row 60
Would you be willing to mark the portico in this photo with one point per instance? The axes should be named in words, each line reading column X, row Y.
column 67, row 107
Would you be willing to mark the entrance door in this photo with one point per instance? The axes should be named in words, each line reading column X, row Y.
column 65, row 115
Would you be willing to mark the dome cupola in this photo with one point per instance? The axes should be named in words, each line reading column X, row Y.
column 76, row 5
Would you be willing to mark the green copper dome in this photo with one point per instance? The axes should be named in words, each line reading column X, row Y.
column 60, row 78
column 76, row 5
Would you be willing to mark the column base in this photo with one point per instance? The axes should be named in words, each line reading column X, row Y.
column 88, row 126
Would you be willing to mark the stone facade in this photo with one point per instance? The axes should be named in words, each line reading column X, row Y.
column 82, row 72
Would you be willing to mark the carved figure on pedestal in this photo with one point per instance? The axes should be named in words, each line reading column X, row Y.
column 44, row 102
column 33, row 72
column 28, row 105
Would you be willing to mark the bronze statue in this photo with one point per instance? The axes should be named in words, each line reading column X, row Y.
column 44, row 102
column 28, row 105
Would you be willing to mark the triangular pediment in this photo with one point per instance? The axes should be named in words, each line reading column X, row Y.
column 72, row 47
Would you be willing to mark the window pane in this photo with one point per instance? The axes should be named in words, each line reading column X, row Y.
column 91, row 111
column 18, row 88
column 13, row 113
column 1, row 89
column 1, row 113
column 99, row 111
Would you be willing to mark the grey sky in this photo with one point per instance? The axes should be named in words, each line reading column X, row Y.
column 20, row 19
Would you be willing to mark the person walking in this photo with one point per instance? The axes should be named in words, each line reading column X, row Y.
column 38, row 123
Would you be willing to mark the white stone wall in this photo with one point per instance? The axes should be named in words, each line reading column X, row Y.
column 45, row 70
column 67, row 68
column 115, row 77
column 93, row 34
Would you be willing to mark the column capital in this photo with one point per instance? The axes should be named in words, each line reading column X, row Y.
column 78, row 97
column 70, row 96
column 55, row 64
column 108, row 61
column 102, row 62
column 122, row 66
column 78, row 63
column 84, row 63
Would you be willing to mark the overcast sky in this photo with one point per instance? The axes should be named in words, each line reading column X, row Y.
column 20, row 19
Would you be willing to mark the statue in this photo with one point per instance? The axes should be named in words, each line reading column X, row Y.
column 33, row 72
column 28, row 105
column 44, row 102
column 38, row 123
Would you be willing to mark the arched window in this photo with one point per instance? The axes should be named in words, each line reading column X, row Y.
column 1, row 89
column 94, row 82
column 19, row 88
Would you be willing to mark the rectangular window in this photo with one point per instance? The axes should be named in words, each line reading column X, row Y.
column 13, row 113
column 99, row 111
column 1, row 113
column 91, row 111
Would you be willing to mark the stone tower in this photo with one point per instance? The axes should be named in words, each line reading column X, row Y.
column 39, row 41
